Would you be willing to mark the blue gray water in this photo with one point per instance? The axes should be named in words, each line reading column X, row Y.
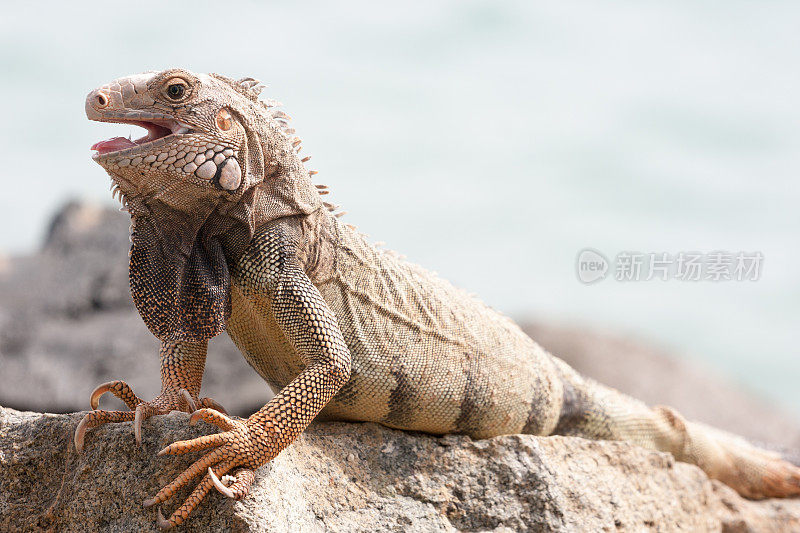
column 490, row 141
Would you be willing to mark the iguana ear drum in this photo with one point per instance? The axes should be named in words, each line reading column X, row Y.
column 224, row 121
column 229, row 176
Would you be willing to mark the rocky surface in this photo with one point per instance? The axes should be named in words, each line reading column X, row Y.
column 363, row 477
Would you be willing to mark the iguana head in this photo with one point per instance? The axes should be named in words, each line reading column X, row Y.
column 215, row 164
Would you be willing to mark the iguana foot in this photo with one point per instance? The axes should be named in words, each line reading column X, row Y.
column 243, row 446
column 170, row 400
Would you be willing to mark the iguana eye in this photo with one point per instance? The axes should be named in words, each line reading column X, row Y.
column 176, row 91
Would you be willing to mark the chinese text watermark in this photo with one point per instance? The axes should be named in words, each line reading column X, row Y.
column 592, row 266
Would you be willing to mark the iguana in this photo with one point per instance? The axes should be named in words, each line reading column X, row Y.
column 229, row 233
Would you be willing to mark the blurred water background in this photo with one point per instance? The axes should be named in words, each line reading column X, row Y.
column 489, row 141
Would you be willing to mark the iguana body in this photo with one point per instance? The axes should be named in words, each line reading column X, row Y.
column 231, row 234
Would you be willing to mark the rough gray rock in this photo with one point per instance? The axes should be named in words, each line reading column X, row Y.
column 363, row 477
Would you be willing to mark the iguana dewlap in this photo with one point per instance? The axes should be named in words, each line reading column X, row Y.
column 230, row 234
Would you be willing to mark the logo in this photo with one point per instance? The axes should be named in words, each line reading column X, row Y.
column 591, row 266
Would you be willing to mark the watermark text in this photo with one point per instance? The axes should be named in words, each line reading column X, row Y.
column 593, row 266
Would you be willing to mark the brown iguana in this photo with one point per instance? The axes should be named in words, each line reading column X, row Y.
column 230, row 234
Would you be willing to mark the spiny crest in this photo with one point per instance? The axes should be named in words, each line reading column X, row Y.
column 248, row 87
column 251, row 88
column 251, row 84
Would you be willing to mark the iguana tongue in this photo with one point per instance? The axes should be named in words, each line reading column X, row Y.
column 113, row 144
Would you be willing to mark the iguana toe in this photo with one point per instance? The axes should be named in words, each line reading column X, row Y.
column 96, row 418
column 212, row 404
column 120, row 389
column 239, row 486
column 194, row 499
column 197, row 495
column 194, row 445
column 169, row 400
column 213, row 417
column 244, row 445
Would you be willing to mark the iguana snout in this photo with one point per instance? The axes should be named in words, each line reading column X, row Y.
column 193, row 141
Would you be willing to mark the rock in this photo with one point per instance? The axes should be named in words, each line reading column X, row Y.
column 81, row 227
column 364, row 477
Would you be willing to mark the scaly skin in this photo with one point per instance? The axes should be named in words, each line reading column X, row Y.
column 230, row 234
column 182, row 367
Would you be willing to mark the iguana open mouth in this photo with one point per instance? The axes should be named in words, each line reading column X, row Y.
column 157, row 128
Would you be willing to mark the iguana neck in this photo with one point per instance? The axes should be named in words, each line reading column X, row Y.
column 283, row 188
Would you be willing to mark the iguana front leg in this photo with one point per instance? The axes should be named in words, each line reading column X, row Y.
column 182, row 366
column 313, row 331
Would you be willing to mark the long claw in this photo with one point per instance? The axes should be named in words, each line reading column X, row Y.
column 187, row 446
column 80, row 432
column 219, row 485
column 213, row 404
column 241, row 483
column 188, row 398
column 162, row 523
column 94, row 399
column 137, row 424
column 212, row 417
column 120, row 389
